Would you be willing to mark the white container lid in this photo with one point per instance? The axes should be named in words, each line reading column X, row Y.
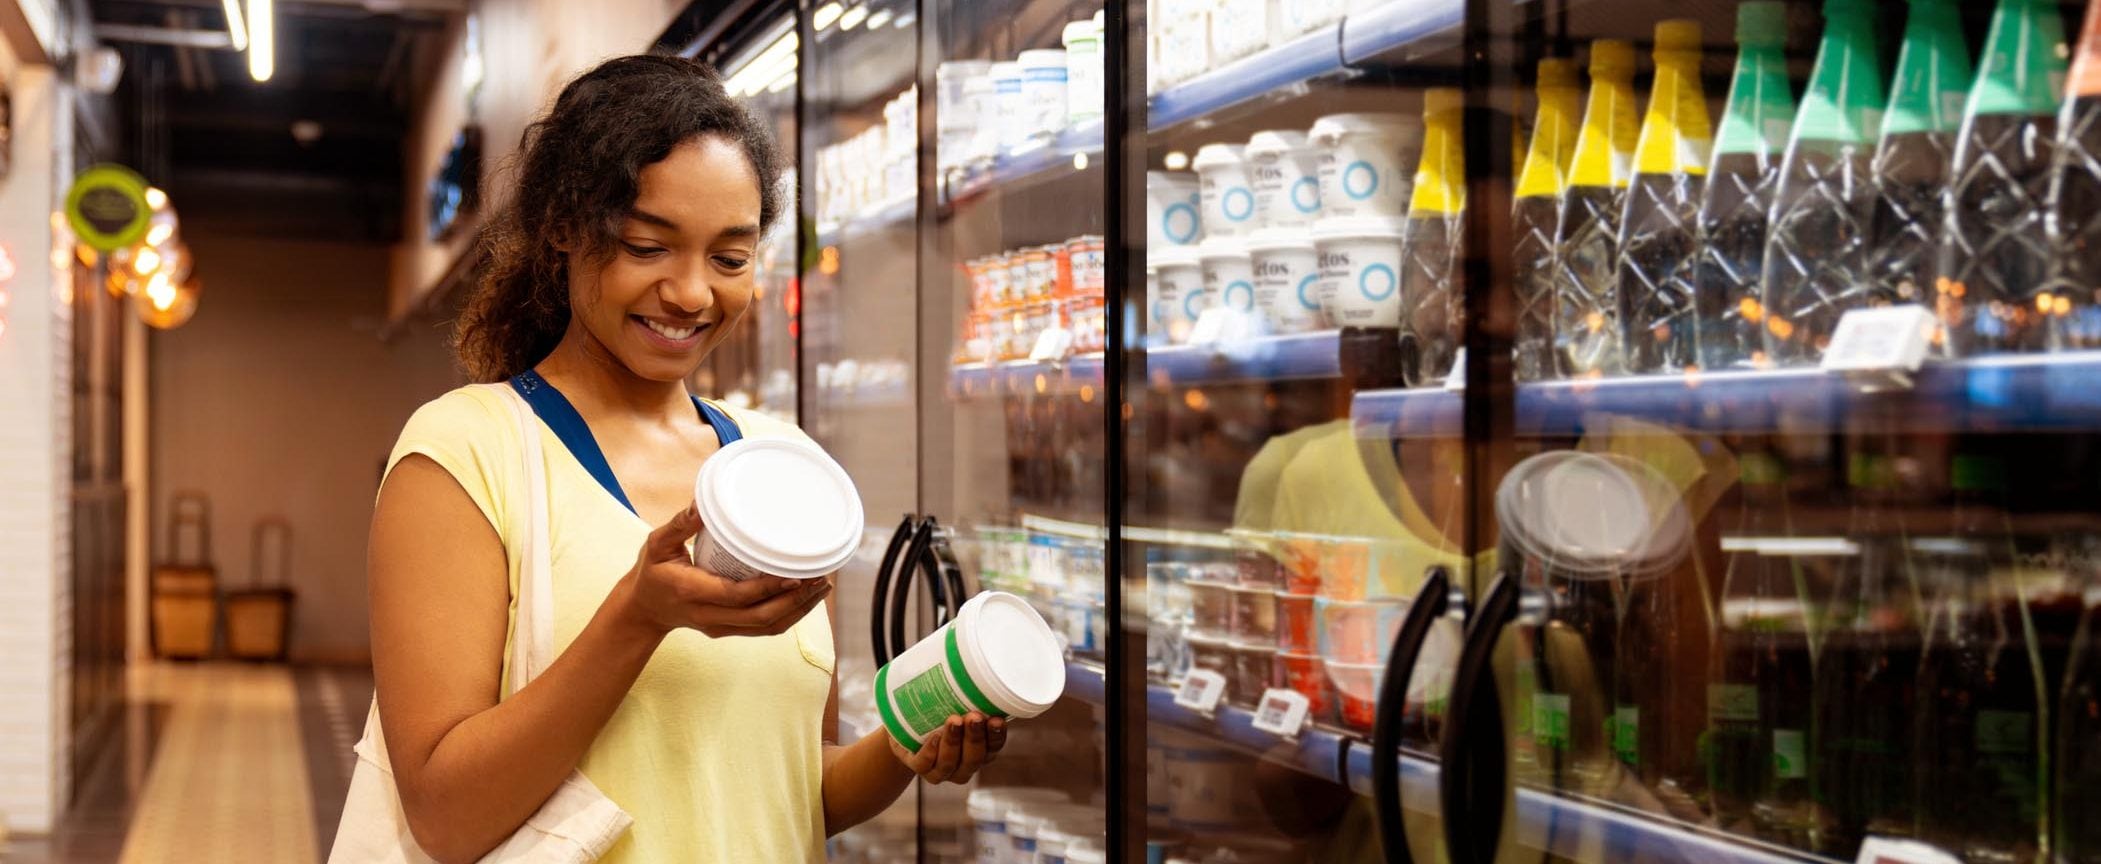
column 987, row 804
column 1172, row 256
column 1024, row 820
column 1081, row 31
column 1083, row 853
column 1021, row 664
column 1584, row 513
column 1356, row 227
column 1166, row 179
column 1006, row 69
column 1336, row 126
column 1279, row 240
column 1275, row 142
column 1042, row 57
column 780, row 505
column 1222, row 247
column 1218, row 156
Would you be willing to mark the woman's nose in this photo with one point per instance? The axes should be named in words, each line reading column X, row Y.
column 689, row 293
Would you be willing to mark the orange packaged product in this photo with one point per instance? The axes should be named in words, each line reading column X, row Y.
column 1040, row 275
column 1090, row 265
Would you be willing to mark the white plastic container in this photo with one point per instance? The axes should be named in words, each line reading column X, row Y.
column 1360, row 268
column 1241, row 27
column 1287, row 280
column 1043, row 91
column 1226, row 191
column 981, row 96
column 775, row 507
column 1181, row 294
column 1013, row 116
column 988, row 815
column 1367, row 162
column 1303, row 15
column 1083, row 72
column 1229, row 274
column 1085, row 853
column 1286, row 173
column 1025, row 824
column 997, row 657
column 1172, row 215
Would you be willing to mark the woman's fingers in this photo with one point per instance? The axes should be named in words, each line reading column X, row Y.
column 973, row 747
column 951, row 753
column 772, row 617
column 995, row 737
column 668, row 541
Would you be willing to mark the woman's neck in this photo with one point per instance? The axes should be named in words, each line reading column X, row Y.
column 589, row 375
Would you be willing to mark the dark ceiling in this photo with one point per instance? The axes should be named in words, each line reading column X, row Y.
column 224, row 146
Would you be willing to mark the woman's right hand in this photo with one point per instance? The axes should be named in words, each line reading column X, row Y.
column 665, row 592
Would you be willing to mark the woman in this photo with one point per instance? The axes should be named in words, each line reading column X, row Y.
column 705, row 708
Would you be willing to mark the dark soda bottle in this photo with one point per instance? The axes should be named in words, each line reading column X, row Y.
column 1916, row 157
column 1659, row 231
column 1539, row 187
column 2075, row 198
column 2076, row 796
column 1587, row 232
column 1739, row 197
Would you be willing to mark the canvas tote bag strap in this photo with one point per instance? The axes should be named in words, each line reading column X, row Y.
column 532, row 642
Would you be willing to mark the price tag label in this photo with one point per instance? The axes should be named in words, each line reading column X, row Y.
column 1052, row 344
column 1281, row 712
column 1883, row 850
column 1456, row 381
column 1201, row 691
column 1883, row 339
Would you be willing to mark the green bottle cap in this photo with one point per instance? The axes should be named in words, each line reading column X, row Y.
column 1761, row 109
column 2023, row 70
column 1933, row 72
column 1762, row 23
column 1972, row 473
column 1845, row 98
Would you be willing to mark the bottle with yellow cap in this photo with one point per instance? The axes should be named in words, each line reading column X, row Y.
column 1917, row 154
column 1539, row 186
column 1587, row 229
column 1816, row 254
column 1657, row 231
column 1734, row 214
column 1431, row 302
column 1994, row 293
column 2075, row 192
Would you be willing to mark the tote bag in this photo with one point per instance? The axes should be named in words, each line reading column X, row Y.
column 578, row 823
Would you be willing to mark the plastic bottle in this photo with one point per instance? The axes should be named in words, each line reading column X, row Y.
column 1996, row 296
column 1736, row 209
column 1431, row 302
column 1658, row 234
column 2075, row 834
column 1539, row 187
column 1816, row 253
column 1587, row 230
column 1915, row 161
column 2075, row 192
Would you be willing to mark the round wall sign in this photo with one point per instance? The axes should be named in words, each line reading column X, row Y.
column 107, row 207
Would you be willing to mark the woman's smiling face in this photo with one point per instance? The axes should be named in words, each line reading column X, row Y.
column 680, row 270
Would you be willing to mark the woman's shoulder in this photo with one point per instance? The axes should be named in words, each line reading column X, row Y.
column 474, row 411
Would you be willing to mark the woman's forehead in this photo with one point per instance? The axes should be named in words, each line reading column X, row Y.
column 704, row 182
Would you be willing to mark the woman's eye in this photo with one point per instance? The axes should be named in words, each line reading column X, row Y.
column 730, row 262
column 643, row 251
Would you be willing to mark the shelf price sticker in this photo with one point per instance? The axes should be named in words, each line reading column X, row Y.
column 1282, row 712
column 1885, row 340
column 1201, row 691
column 1885, row 850
column 1052, row 345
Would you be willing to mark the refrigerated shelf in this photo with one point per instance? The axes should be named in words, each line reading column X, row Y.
column 1303, row 58
column 1382, row 28
column 1271, row 358
column 1070, row 153
column 886, row 216
column 1316, row 751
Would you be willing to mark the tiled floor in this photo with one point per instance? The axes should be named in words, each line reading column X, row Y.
column 215, row 762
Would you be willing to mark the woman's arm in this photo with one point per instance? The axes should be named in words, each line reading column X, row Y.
column 471, row 769
column 864, row 778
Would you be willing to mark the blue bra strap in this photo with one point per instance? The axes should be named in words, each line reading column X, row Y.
column 554, row 409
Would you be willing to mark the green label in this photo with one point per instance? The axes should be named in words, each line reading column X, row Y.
column 1626, row 733
column 1732, row 702
column 1790, row 754
column 1550, row 727
column 927, row 700
column 2005, row 731
column 107, row 207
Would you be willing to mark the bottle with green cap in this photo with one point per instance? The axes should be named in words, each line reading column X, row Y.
column 1866, row 673
column 1734, row 214
column 1916, row 157
column 1431, row 310
column 1539, row 187
column 1993, row 294
column 1982, row 710
column 1658, row 231
column 2075, row 195
column 1758, row 690
column 1587, row 230
column 1816, row 253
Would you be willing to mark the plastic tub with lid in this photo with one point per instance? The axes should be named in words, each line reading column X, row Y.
column 1367, row 162
column 1043, row 92
column 996, row 657
column 1287, row 280
column 1286, row 171
column 1012, row 117
column 1227, row 192
column 775, row 506
column 1172, row 199
column 1360, row 270
column 1182, row 296
column 1083, row 71
column 1229, row 274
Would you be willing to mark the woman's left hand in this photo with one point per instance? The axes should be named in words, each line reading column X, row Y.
column 956, row 752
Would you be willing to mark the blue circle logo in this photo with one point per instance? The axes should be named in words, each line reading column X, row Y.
column 1305, row 195
column 1238, row 204
column 1190, row 305
column 1246, row 293
column 1159, row 312
column 1307, row 286
column 1180, row 223
column 1360, row 174
column 1380, row 275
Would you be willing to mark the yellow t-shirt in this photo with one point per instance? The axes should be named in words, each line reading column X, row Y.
column 717, row 750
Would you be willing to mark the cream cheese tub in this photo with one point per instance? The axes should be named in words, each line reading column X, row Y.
column 775, row 507
column 1227, row 194
column 1367, row 162
column 1287, row 280
column 1229, row 275
column 1172, row 199
column 1181, row 296
column 997, row 658
column 1360, row 271
column 1286, row 173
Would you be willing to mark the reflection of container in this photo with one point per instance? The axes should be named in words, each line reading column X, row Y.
column 1087, row 255
column 1172, row 202
column 1287, row 279
column 1155, row 319
column 1301, row 562
column 996, row 657
column 1306, row 673
column 775, row 507
column 1211, row 605
column 1182, row 294
column 1367, row 163
column 1212, row 654
column 1357, row 689
column 1298, row 628
column 1360, row 270
column 1224, row 188
column 1286, row 172
column 1254, row 614
column 1254, row 670
column 1229, row 274
column 1346, row 566
column 1253, row 567
column 1360, row 632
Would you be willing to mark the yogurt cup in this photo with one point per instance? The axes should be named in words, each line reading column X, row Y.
column 1360, row 270
column 988, row 815
column 1358, row 686
column 1286, row 172
column 1172, row 215
column 777, row 507
column 1287, row 280
column 1182, row 293
column 1043, row 91
column 996, row 657
column 1367, row 162
column 1229, row 274
column 1012, row 116
column 1226, row 191
column 1306, row 674
column 1083, row 68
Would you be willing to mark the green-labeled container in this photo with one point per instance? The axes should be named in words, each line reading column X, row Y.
column 997, row 657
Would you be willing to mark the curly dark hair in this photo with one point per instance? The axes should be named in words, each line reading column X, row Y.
column 578, row 171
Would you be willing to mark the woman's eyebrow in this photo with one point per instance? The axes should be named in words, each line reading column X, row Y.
column 740, row 231
column 649, row 218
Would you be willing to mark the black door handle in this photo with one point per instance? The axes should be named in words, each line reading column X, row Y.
column 1429, row 605
column 878, row 636
column 930, row 570
column 901, row 588
column 944, row 555
column 1474, row 776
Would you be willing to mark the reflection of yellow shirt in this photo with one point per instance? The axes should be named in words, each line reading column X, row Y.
column 1339, row 486
column 716, row 749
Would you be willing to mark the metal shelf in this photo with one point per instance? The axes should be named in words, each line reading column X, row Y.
column 1376, row 31
column 976, row 380
column 1032, row 163
column 1271, row 358
column 894, row 213
column 1310, row 56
